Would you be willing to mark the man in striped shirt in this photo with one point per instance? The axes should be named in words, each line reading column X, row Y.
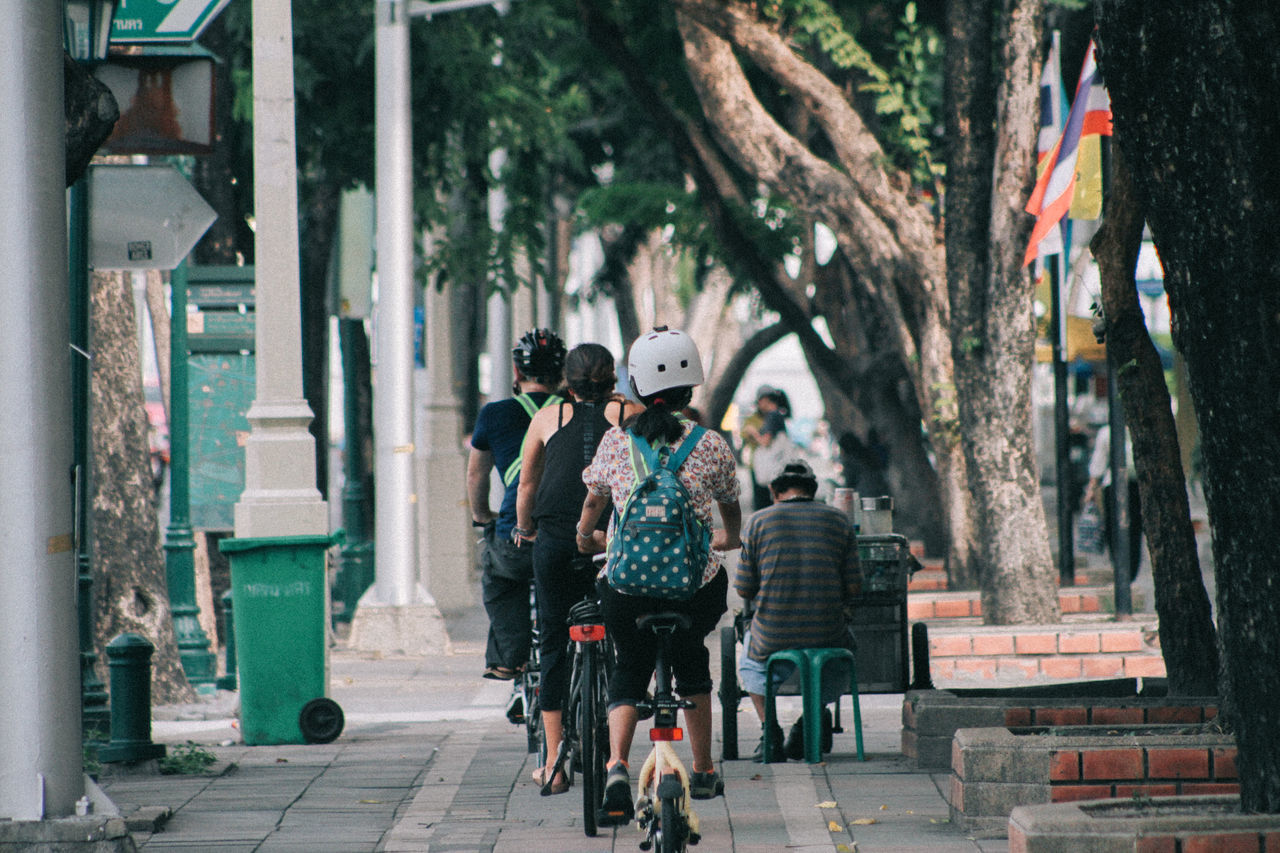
column 799, row 572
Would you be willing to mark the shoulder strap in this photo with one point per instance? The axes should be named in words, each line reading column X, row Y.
column 526, row 403
column 643, row 457
column 682, row 452
column 532, row 408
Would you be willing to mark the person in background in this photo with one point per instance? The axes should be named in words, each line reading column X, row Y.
column 506, row 570
column 1100, row 489
column 764, row 433
column 560, row 442
column 799, row 573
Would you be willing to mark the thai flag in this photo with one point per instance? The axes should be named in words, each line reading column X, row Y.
column 1052, row 112
column 1055, row 188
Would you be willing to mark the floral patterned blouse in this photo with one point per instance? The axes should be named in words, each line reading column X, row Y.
column 709, row 473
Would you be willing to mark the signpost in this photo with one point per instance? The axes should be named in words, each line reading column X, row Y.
column 141, row 21
column 144, row 218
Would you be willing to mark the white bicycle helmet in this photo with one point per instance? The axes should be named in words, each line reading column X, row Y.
column 661, row 359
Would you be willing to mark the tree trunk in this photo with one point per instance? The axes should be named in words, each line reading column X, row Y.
column 887, row 238
column 129, row 583
column 992, row 335
column 1187, row 636
column 1193, row 85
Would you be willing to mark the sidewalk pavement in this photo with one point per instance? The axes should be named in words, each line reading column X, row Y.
column 428, row 762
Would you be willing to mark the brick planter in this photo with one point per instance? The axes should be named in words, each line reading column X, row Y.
column 1208, row 824
column 930, row 718
column 997, row 769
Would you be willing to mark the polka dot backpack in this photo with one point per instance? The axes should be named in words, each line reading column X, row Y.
column 659, row 546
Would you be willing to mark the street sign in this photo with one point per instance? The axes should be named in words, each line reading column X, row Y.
column 143, row 217
column 163, row 20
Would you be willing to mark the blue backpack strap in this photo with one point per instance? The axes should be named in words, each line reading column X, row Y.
column 642, row 452
column 682, row 453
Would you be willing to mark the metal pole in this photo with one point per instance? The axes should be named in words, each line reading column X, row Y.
column 198, row 662
column 1061, row 428
column 395, row 533
column 95, row 712
column 40, row 736
column 357, row 551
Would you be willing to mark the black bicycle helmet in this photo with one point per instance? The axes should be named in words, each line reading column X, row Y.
column 540, row 352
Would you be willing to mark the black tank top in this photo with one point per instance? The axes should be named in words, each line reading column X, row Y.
column 558, row 504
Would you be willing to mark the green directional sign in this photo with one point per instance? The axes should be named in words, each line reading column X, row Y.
column 163, row 21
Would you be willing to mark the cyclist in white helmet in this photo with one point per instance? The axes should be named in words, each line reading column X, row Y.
column 664, row 367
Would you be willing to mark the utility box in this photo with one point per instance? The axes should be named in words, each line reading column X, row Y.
column 280, row 590
column 880, row 613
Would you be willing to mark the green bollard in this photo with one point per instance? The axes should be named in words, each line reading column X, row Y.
column 129, row 657
column 228, row 681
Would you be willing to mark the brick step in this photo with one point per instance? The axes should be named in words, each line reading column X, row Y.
column 923, row 605
column 933, row 577
column 1065, row 651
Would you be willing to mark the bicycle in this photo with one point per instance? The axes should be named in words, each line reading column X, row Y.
column 585, row 745
column 524, row 708
column 663, row 806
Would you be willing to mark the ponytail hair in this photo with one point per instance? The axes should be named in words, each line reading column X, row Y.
column 658, row 422
column 589, row 373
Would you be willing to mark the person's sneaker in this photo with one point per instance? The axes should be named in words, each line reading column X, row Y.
column 618, row 810
column 777, row 754
column 704, row 786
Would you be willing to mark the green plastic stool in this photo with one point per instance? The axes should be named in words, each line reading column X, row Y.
column 811, row 663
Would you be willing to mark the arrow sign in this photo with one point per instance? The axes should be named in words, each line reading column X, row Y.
column 143, row 217
column 163, row 20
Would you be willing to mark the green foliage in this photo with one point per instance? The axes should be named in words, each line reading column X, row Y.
column 188, row 759
column 815, row 23
column 908, row 94
column 906, row 81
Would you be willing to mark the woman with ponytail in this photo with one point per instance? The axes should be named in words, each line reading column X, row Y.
column 663, row 367
column 560, row 442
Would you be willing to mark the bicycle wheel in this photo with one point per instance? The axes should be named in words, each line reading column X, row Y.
column 669, row 830
column 533, row 714
column 591, row 725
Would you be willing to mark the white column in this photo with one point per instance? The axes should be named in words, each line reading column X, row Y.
column 40, row 754
column 448, row 539
column 396, row 613
column 280, row 496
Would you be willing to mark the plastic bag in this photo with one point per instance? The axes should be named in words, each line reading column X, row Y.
column 1089, row 533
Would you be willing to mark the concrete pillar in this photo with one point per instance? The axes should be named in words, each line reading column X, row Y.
column 280, row 496
column 40, row 754
column 396, row 613
column 448, row 541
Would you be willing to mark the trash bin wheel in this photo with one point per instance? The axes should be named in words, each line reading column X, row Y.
column 321, row 720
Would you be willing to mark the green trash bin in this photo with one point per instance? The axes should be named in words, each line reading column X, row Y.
column 279, row 586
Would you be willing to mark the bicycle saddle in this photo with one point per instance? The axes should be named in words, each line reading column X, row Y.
column 665, row 621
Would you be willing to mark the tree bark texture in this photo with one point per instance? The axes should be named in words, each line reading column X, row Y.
column 891, row 244
column 888, row 240
column 993, row 333
column 1188, row 639
column 1193, row 86
column 130, row 589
